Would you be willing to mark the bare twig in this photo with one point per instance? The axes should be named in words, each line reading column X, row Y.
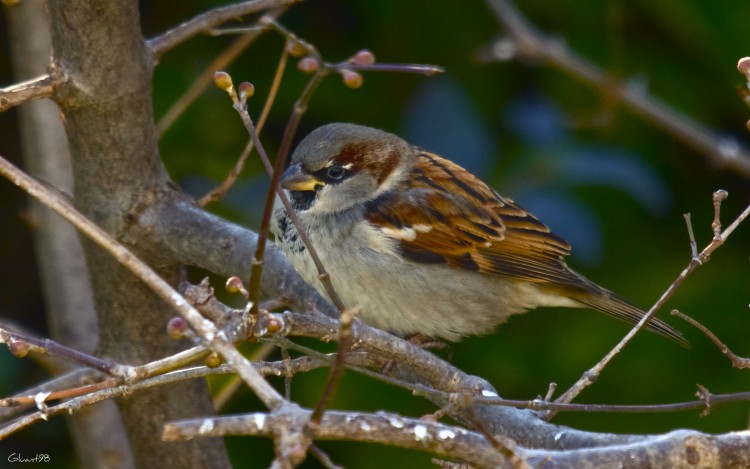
column 224, row 81
column 718, row 197
column 20, row 344
column 337, row 368
column 108, row 392
column 231, row 178
column 590, row 376
column 526, row 42
column 91, row 394
column 691, row 235
column 287, row 375
column 38, row 88
column 737, row 361
column 300, row 106
column 73, row 379
column 222, row 396
column 550, row 391
column 206, row 78
column 213, row 337
column 205, row 22
column 323, row 457
column 30, row 399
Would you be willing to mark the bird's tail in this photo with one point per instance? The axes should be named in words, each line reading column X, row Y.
column 609, row 303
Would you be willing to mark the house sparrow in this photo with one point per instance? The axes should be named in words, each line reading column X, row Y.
column 421, row 244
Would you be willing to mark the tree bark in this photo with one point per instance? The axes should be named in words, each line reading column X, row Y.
column 97, row 433
column 103, row 70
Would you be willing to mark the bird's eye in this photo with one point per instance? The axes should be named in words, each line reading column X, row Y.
column 335, row 172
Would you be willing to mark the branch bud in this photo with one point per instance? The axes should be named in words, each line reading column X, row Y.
column 19, row 348
column 308, row 65
column 247, row 90
column 177, row 328
column 213, row 360
column 223, row 81
column 295, row 48
column 274, row 325
column 351, row 79
column 743, row 65
column 363, row 57
column 234, row 285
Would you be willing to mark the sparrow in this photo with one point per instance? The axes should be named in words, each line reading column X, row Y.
column 421, row 245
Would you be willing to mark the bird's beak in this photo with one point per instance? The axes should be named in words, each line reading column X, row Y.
column 293, row 179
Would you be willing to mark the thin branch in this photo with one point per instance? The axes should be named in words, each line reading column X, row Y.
column 204, row 23
column 31, row 399
column 109, row 389
column 37, row 88
column 257, row 267
column 337, row 369
column 718, row 197
column 78, row 403
column 526, row 42
column 419, row 69
column 213, row 337
column 206, row 78
column 590, row 376
column 222, row 395
column 736, row 360
column 54, row 391
column 20, row 344
column 231, row 178
column 323, row 458
column 691, row 235
column 300, row 106
column 75, row 378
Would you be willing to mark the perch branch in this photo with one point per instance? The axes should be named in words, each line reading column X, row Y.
column 441, row 439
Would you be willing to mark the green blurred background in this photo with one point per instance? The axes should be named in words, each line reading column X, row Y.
column 610, row 183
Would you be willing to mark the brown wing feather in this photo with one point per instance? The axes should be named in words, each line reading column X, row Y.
column 462, row 222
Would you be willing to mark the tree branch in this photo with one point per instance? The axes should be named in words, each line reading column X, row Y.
column 719, row 237
column 527, row 43
column 384, row 428
column 205, row 22
column 38, row 88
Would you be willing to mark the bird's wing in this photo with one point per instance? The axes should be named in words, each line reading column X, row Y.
column 449, row 216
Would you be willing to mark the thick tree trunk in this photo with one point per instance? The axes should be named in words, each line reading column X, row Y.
column 97, row 432
column 105, row 70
